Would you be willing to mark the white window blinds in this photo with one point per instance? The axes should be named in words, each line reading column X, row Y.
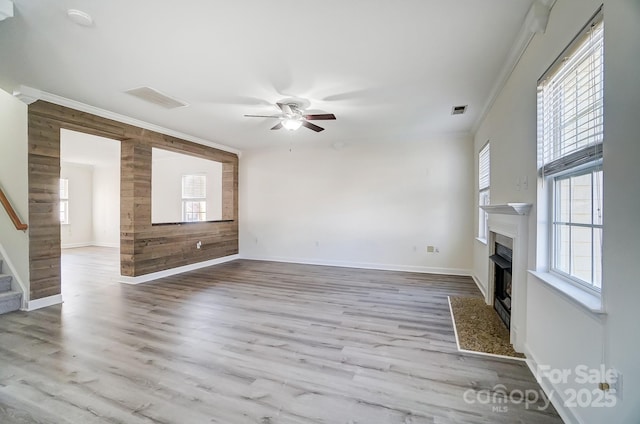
column 194, row 186
column 64, row 189
column 570, row 103
column 484, row 168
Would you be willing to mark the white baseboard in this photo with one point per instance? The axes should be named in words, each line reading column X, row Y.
column 480, row 286
column 173, row 271
column 363, row 265
column 75, row 245
column 105, row 244
column 88, row 244
column 32, row 305
column 552, row 392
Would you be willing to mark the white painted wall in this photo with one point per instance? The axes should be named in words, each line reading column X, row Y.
column 79, row 231
column 166, row 185
column 14, row 182
column 372, row 205
column 106, row 206
column 561, row 334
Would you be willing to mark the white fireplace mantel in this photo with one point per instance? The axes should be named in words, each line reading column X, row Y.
column 508, row 209
column 511, row 220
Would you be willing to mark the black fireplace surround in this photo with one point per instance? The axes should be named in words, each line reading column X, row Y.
column 502, row 277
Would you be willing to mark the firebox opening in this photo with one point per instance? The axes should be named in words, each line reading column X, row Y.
column 502, row 260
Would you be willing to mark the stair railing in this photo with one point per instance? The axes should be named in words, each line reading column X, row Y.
column 12, row 213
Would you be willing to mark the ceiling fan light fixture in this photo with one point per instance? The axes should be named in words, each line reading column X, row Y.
column 291, row 124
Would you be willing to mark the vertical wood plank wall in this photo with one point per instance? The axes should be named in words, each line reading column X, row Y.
column 144, row 248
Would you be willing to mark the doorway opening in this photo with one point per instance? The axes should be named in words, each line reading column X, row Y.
column 89, row 211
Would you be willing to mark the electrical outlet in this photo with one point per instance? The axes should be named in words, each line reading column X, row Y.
column 615, row 385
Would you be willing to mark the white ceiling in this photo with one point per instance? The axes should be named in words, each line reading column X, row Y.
column 389, row 70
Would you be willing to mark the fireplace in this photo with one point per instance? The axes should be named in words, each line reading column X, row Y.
column 502, row 260
column 506, row 289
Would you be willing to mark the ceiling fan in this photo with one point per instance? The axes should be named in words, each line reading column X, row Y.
column 294, row 117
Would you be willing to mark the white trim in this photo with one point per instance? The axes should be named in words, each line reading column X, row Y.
column 491, row 355
column 453, row 321
column 364, row 265
column 515, row 227
column 32, row 305
column 480, row 286
column 89, row 244
column 508, row 209
column 482, row 240
column 173, row 271
column 75, row 245
column 553, row 393
column 474, row 352
column 106, row 244
column 30, row 95
column 15, row 277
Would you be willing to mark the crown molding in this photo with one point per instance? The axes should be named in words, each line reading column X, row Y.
column 30, row 95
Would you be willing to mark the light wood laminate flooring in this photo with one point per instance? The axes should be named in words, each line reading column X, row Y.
column 251, row 342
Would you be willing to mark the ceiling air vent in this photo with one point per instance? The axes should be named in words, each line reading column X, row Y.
column 152, row 95
column 459, row 110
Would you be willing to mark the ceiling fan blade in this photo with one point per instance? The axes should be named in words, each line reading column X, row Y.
column 285, row 108
column 312, row 126
column 263, row 116
column 277, row 126
column 321, row 116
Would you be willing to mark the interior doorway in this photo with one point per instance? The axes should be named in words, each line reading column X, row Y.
column 89, row 209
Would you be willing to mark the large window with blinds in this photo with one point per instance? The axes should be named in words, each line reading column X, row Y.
column 194, row 198
column 570, row 139
column 484, row 180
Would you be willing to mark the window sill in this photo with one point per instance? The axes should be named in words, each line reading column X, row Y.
column 154, row 224
column 589, row 301
column 481, row 240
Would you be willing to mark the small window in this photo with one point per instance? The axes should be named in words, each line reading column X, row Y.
column 194, row 198
column 484, row 167
column 64, row 201
column 570, row 140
